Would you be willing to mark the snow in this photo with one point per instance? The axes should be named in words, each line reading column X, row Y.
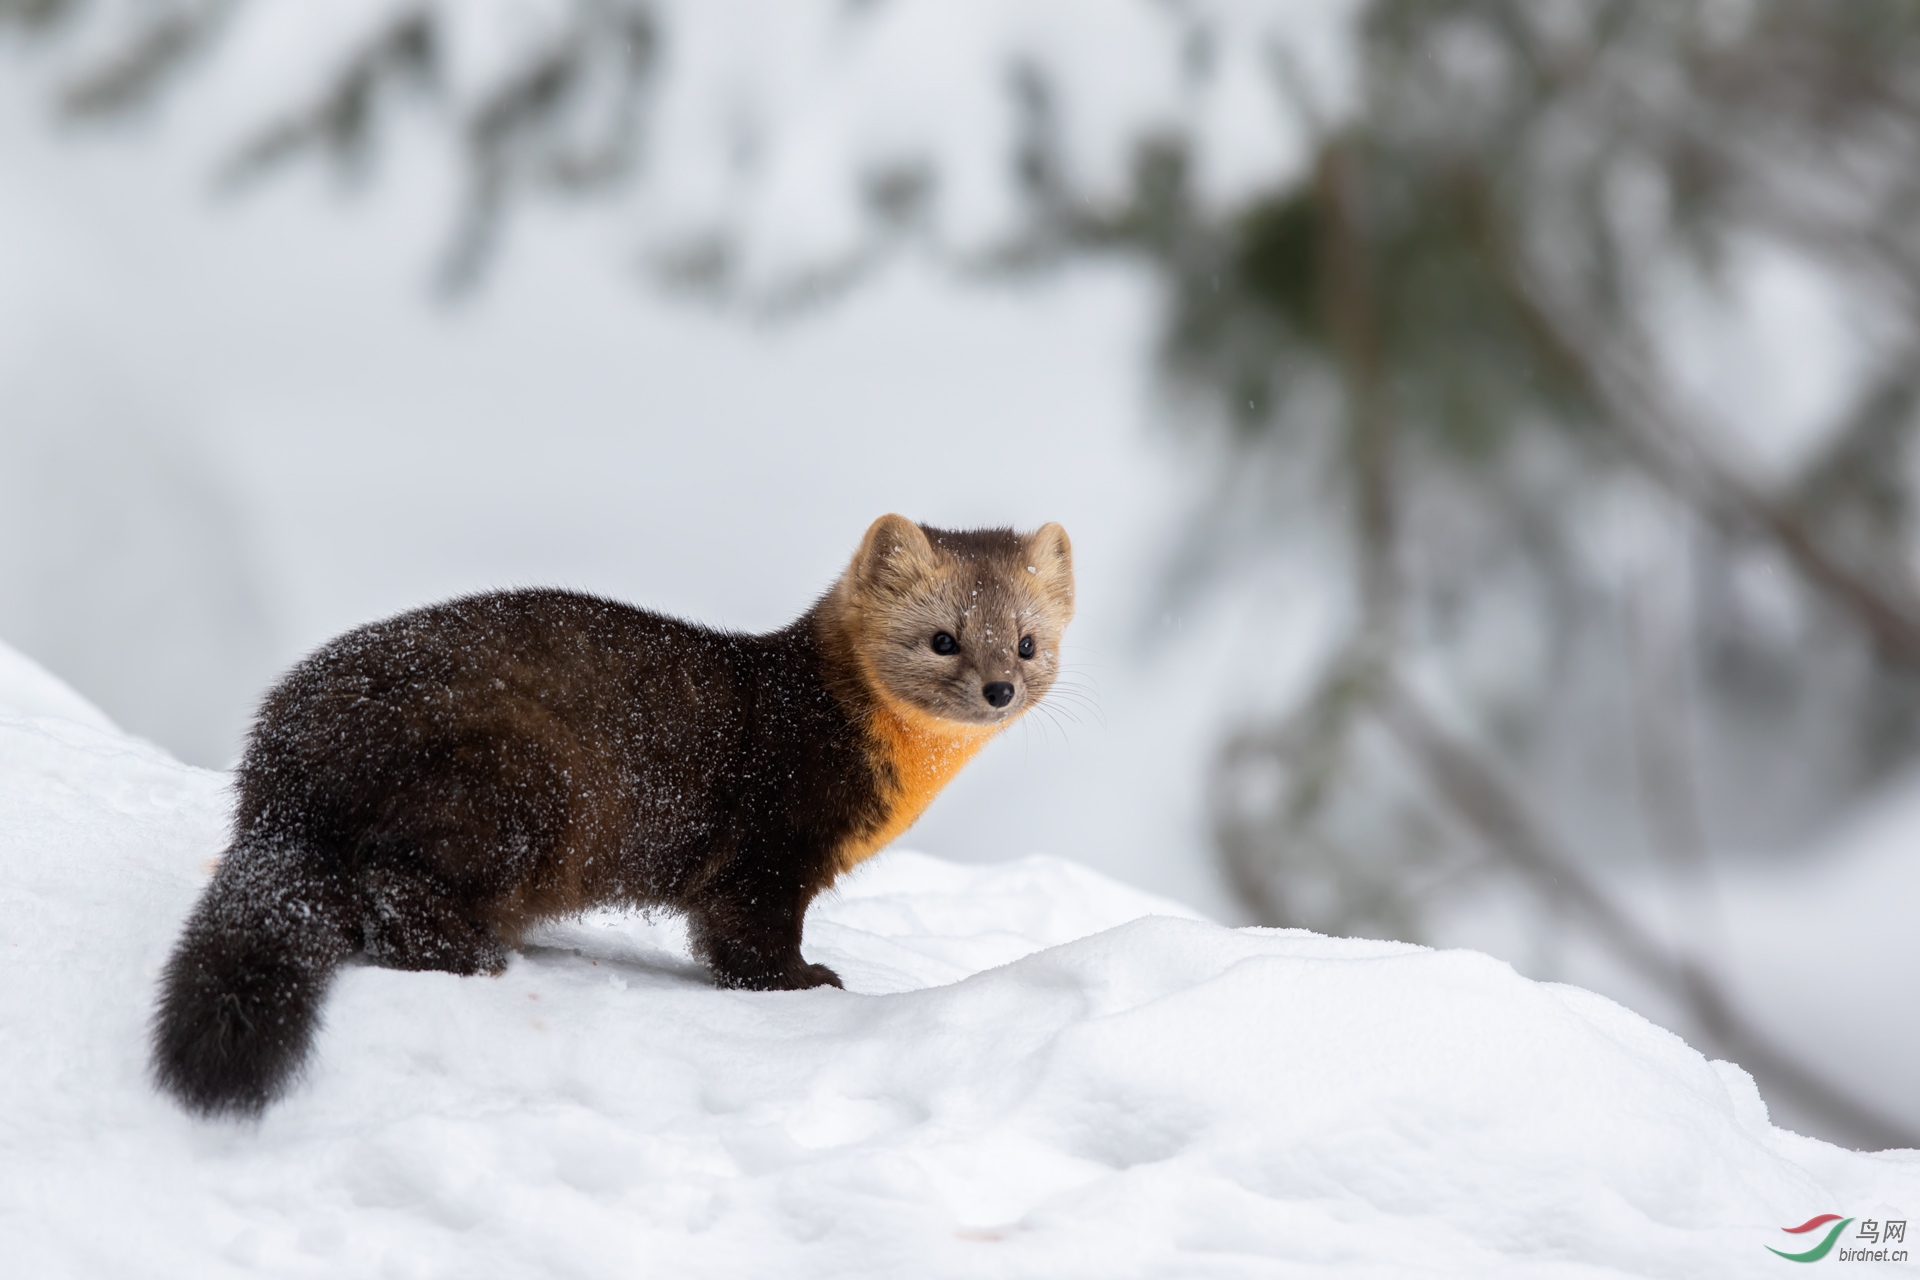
column 1815, row 949
column 1034, row 1071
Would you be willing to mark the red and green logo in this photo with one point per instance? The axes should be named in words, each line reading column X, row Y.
column 1825, row 1246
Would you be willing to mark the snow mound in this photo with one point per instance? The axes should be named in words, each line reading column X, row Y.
column 28, row 690
column 1034, row 1072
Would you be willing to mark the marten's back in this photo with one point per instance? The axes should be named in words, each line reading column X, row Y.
column 581, row 748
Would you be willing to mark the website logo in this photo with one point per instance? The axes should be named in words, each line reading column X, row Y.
column 1869, row 1241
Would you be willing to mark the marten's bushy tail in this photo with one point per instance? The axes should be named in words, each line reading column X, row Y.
column 240, row 997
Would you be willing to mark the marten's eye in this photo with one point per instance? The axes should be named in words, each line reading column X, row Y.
column 1026, row 646
column 944, row 643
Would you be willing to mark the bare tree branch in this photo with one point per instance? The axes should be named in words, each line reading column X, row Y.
column 141, row 67
column 1352, row 318
column 1663, row 762
column 1657, row 434
column 343, row 121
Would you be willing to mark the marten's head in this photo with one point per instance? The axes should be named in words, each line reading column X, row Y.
column 962, row 626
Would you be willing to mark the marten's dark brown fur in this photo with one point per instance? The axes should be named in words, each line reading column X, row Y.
column 424, row 789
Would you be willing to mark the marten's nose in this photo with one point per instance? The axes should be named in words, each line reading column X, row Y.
column 997, row 694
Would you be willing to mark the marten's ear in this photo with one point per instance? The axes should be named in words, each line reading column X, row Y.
column 893, row 556
column 1050, row 559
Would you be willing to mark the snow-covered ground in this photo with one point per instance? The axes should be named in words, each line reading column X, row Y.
column 1034, row 1071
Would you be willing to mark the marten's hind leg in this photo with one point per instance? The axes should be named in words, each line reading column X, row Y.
column 411, row 922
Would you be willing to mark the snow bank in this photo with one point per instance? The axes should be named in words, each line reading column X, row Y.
column 28, row 690
column 1034, row 1072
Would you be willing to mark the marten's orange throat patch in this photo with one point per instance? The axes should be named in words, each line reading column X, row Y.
column 924, row 752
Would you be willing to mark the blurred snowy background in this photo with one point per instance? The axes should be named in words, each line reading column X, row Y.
column 1486, row 429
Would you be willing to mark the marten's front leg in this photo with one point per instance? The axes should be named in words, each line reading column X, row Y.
column 747, row 928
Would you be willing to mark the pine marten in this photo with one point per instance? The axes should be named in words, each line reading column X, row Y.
column 424, row 789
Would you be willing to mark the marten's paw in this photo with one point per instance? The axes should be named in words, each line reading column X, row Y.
column 815, row 975
column 794, row 978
